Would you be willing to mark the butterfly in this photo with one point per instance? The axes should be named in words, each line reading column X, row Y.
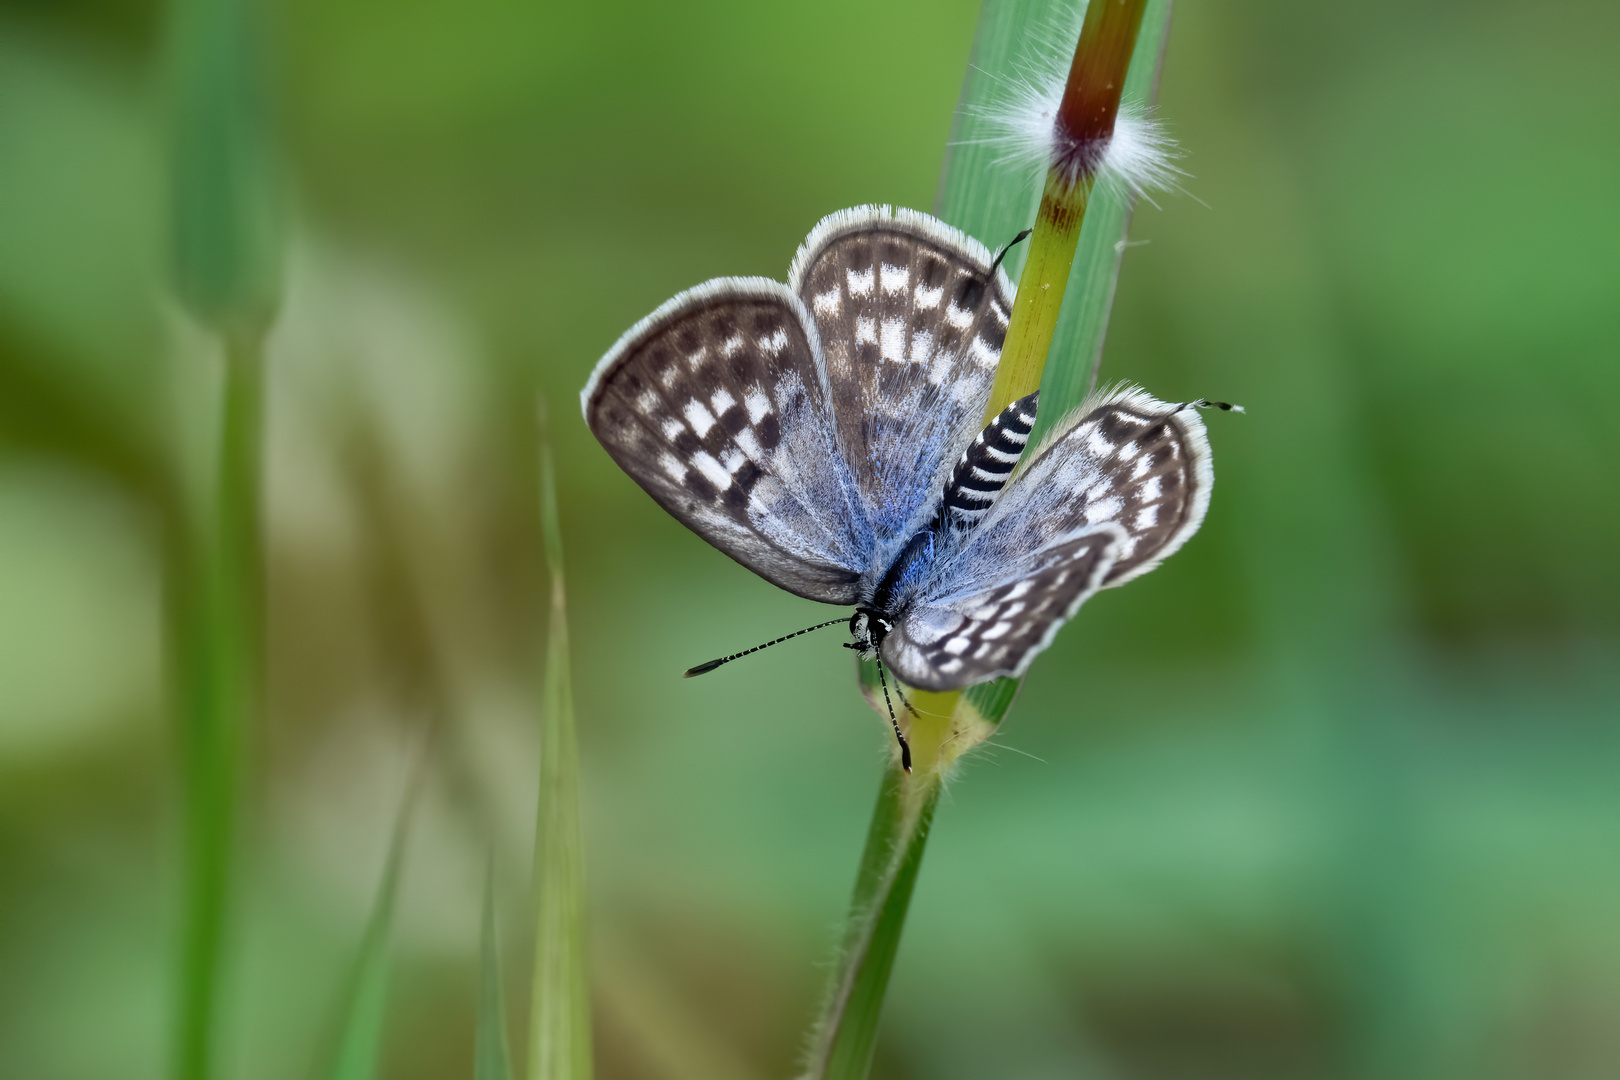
column 828, row 434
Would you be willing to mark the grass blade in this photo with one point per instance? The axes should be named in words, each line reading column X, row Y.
column 223, row 201
column 560, row 1007
column 987, row 198
column 977, row 193
column 359, row 1043
column 984, row 198
column 492, row 1060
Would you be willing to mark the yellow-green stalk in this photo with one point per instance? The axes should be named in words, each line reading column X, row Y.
column 1082, row 129
column 943, row 726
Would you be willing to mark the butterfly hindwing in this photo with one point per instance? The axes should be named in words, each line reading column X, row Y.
column 1123, row 457
column 911, row 321
column 716, row 404
column 959, row 640
column 1126, row 477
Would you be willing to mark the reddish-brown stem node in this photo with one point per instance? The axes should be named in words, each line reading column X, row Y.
column 1090, row 105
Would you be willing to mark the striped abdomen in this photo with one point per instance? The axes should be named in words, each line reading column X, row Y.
column 986, row 465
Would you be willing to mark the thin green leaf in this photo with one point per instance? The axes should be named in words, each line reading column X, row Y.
column 978, row 193
column 492, row 1060
column 359, row 1042
column 560, row 1008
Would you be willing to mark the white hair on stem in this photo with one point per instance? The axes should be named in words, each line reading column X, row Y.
column 1022, row 121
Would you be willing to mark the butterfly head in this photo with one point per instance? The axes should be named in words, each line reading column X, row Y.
column 869, row 628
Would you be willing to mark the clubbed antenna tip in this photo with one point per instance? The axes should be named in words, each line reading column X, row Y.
column 704, row 669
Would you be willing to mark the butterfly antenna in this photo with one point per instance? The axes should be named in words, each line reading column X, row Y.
column 1002, row 254
column 704, row 669
column 905, row 750
column 1204, row 403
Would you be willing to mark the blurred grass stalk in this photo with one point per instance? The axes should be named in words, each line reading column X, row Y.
column 560, row 1003
column 226, row 267
column 1079, row 233
column 358, row 1047
column 492, row 1056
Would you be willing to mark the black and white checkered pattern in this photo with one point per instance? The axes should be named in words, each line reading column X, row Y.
column 827, row 435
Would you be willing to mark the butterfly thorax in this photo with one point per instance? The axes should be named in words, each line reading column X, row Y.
column 895, row 590
column 979, row 476
column 907, row 573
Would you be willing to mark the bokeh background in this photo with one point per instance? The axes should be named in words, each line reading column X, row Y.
column 1332, row 794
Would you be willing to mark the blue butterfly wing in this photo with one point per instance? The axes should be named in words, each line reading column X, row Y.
column 717, row 404
column 1122, row 484
column 911, row 322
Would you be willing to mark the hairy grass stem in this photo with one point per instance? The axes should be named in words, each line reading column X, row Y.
column 978, row 195
column 1083, row 128
column 1082, row 324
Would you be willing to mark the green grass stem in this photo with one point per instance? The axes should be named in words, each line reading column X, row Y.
column 226, row 270
column 1079, row 234
column 560, row 1005
column 219, row 642
column 1041, row 285
column 224, row 209
column 847, row 1036
column 1090, row 104
column 1082, row 325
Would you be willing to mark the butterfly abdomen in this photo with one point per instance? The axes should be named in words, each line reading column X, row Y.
column 980, row 474
column 987, row 464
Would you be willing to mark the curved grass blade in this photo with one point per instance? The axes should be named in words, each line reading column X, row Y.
column 560, row 1007
column 358, row 1048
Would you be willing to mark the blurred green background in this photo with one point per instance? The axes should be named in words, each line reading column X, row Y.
column 1332, row 794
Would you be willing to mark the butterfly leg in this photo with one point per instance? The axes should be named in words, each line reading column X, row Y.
column 905, row 750
column 904, row 704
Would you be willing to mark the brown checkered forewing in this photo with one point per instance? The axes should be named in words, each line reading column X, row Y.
column 911, row 321
column 716, row 404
